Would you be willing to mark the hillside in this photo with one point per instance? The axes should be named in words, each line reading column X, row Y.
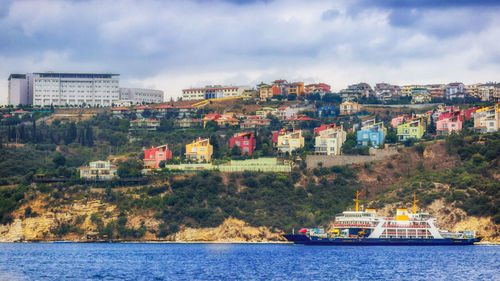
column 455, row 179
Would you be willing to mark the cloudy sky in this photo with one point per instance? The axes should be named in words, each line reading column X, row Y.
column 171, row 45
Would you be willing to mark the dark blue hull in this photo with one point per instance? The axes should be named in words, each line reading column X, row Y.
column 302, row 239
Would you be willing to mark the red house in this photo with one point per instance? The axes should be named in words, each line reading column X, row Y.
column 469, row 113
column 245, row 141
column 153, row 156
column 323, row 127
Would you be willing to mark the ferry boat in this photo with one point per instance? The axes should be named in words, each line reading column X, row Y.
column 365, row 228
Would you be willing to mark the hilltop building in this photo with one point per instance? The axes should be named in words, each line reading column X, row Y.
column 265, row 91
column 454, row 90
column 420, row 95
column 349, row 107
column 99, row 170
column 144, row 124
column 64, row 89
column 411, row 129
column 213, row 92
column 95, row 89
column 296, row 88
column 140, row 96
column 320, row 88
column 373, row 133
column 289, row 141
column 329, row 140
column 19, row 91
column 245, row 141
column 448, row 122
column 487, row 119
column 199, row 150
column 153, row 156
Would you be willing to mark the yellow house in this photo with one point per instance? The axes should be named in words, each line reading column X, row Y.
column 349, row 107
column 265, row 91
column 289, row 141
column 296, row 88
column 200, row 150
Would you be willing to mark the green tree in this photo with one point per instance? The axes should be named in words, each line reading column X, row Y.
column 235, row 150
column 350, row 143
column 59, row 160
column 391, row 137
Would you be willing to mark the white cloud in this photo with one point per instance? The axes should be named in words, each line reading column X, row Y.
column 173, row 45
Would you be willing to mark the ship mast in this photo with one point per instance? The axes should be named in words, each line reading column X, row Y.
column 414, row 203
column 357, row 200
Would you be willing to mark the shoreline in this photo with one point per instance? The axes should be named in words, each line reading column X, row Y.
column 485, row 243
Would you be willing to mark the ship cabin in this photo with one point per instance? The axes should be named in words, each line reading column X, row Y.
column 409, row 225
column 354, row 223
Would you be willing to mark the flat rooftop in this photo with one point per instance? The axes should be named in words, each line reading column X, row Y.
column 75, row 75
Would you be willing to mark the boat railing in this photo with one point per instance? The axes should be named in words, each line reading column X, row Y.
column 405, row 226
column 352, row 225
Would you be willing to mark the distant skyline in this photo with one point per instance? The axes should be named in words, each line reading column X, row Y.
column 172, row 45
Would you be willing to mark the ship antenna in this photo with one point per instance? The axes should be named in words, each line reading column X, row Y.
column 357, row 200
column 414, row 203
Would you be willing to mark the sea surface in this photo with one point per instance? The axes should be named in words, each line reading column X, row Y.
column 136, row 261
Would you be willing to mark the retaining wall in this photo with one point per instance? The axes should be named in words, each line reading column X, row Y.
column 339, row 160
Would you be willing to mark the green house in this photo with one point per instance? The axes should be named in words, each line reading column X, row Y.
column 413, row 128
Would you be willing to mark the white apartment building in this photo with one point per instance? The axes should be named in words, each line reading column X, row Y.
column 329, row 141
column 19, row 89
column 212, row 92
column 52, row 88
column 139, row 96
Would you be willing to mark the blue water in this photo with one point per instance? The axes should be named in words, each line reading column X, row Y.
column 110, row 261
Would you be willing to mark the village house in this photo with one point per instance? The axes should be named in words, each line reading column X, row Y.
column 286, row 112
column 349, row 107
column 249, row 94
column 141, row 109
column 288, row 141
column 21, row 113
column 99, row 170
column 227, row 119
column 144, row 124
column 296, row 88
column 253, row 122
column 153, row 156
column 210, row 117
column 399, row 120
column 199, row 150
column 245, row 141
column 329, row 141
column 263, row 112
column 189, row 123
column 486, row 119
column 120, row 112
column 265, row 91
column 299, row 119
column 320, row 88
column 448, row 122
column 166, row 110
column 373, row 134
column 420, row 95
column 411, row 129
column 185, row 111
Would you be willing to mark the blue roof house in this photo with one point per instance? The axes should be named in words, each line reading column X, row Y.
column 374, row 133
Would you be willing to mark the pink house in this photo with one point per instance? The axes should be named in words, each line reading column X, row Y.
column 448, row 122
column 153, row 156
column 245, row 141
column 399, row 120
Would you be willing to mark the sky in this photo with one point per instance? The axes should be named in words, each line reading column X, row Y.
column 174, row 45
